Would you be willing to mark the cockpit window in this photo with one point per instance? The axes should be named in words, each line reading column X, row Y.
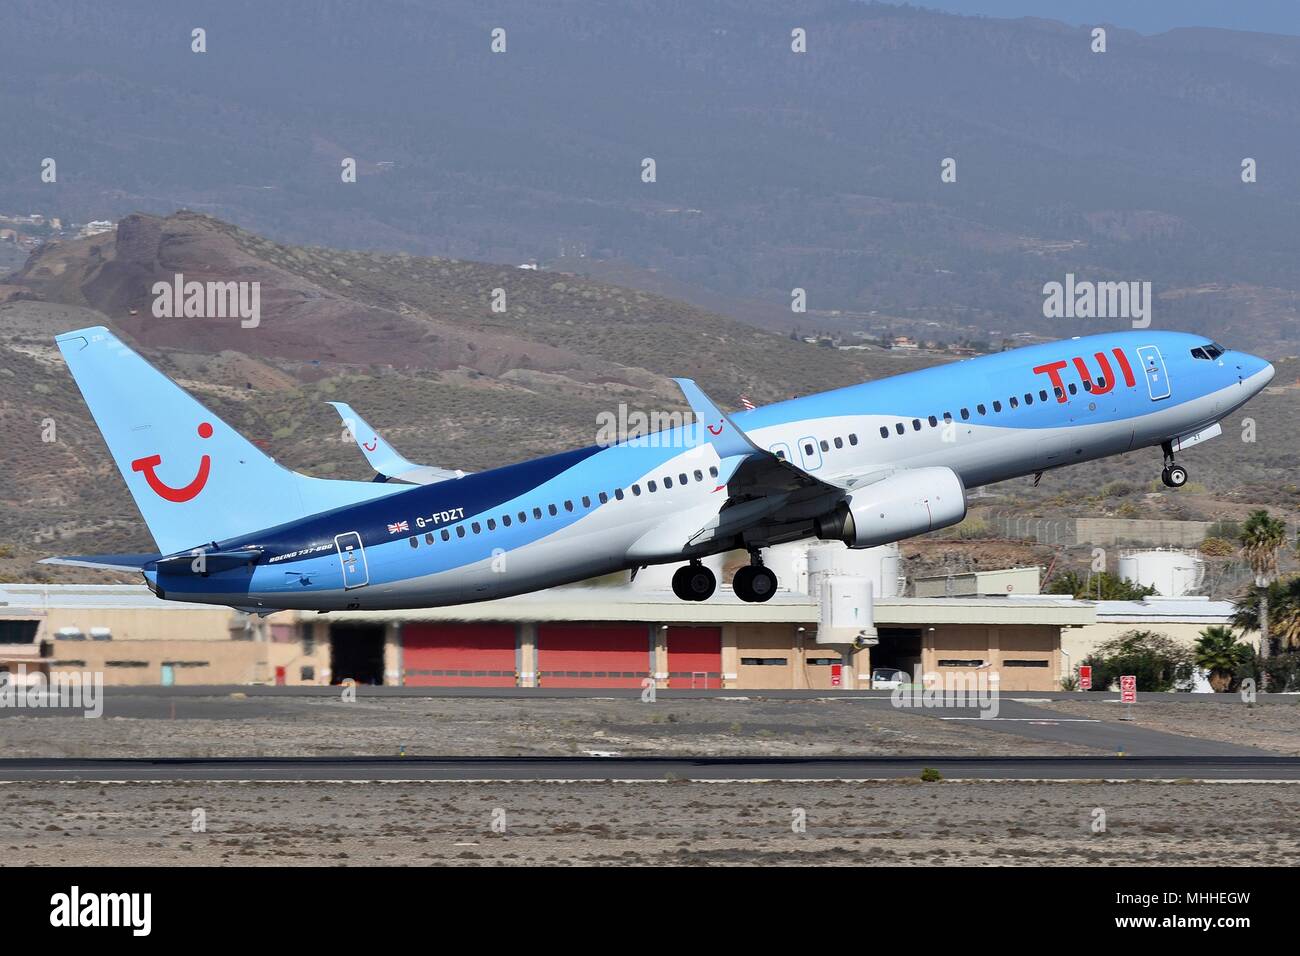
column 1209, row 351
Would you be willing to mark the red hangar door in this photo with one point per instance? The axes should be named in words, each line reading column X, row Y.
column 458, row 655
column 593, row 655
column 695, row 658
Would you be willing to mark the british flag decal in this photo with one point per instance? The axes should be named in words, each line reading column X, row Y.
column 398, row 527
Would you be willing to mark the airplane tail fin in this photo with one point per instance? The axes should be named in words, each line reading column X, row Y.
column 194, row 478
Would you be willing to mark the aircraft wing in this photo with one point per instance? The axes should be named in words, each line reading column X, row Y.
column 384, row 458
column 761, row 486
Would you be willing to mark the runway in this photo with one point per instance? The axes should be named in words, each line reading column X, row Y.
column 645, row 769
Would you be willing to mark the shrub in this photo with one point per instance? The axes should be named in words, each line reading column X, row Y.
column 1153, row 658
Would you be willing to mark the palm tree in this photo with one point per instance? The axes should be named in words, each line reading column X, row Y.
column 1262, row 536
column 1218, row 652
column 1283, row 599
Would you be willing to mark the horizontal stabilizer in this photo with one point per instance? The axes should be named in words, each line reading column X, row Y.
column 105, row 562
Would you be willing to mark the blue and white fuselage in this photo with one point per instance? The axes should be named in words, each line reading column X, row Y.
column 877, row 452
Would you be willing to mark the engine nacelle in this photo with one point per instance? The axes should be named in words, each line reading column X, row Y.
column 903, row 505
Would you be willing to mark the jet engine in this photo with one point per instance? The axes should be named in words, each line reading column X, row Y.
column 906, row 504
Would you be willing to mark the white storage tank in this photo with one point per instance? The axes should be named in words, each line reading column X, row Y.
column 879, row 565
column 789, row 562
column 1171, row 572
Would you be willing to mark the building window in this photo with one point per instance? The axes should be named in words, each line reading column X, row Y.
column 764, row 661
column 961, row 663
column 1024, row 663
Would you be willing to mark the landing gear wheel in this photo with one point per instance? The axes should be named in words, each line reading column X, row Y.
column 694, row 582
column 1175, row 476
column 754, row 583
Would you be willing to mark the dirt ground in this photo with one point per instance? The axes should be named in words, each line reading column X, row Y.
column 1273, row 726
column 973, row 824
column 263, row 726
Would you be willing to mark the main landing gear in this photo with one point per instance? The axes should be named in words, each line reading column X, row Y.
column 1174, row 475
column 754, row 582
column 694, row 582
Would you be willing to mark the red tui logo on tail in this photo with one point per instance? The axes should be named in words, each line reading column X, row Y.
column 166, row 491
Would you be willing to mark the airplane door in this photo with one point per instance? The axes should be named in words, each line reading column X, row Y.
column 810, row 453
column 353, row 557
column 1157, row 377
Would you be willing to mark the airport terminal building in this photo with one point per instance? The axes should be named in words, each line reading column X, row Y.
column 608, row 634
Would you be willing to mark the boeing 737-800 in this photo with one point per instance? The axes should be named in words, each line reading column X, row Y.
column 868, row 464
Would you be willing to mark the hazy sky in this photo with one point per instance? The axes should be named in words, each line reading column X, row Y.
column 1145, row 16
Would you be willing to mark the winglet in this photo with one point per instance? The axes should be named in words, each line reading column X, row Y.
column 381, row 455
column 727, row 440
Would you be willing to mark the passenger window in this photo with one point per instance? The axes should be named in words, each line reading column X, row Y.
column 965, row 414
column 552, row 510
column 1074, row 389
column 1029, row 398
column 1042, row 393
column 839, row 442
column 476, row 526
column 636, row 491
column 1014, row 402
column 699, row 475
column 884, row 432
column 568, row 506
column 537, row 513
column 934, row 422
column 604, row 498
column 586, row 501
column 668, row 481
column 853, row 439
column 808, row 450
column 492, row 524
column 505, row 521
column 1087, row 385
column 523, row 517
column 981, row 409
column 618, row 493
column 1101, row 381
column 651, row 486
column 826, row 446
column 682, row 478
column 1058, row 391
column 916, row 424
column 446, row 535
column 414, row 543
column 947, row 416
column 460, row 531
column 900, row 427
column 713, row 471
column 428, row 538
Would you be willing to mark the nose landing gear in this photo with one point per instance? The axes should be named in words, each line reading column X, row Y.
column 1174, row 475
column 694, row 582
column 754, row 582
